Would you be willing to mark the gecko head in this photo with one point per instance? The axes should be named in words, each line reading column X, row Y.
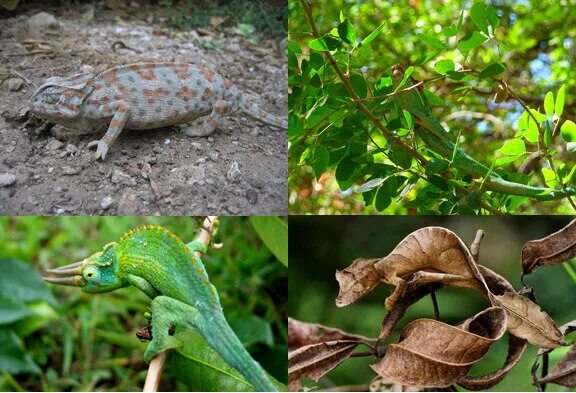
column 95, row 274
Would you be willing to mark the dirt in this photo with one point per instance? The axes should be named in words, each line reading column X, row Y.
column 48, row 170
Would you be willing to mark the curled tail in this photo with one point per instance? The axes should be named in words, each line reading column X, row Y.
column 251, row 109
column 231, row 350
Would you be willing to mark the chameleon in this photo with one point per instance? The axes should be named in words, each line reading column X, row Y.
column 160, row 264
column 429, row 130
column 143, row 96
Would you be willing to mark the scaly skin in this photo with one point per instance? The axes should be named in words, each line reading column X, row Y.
column 436, row 138
column 168, row 271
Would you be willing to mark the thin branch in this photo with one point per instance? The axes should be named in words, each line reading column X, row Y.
column 157, row 363
column 475, row 246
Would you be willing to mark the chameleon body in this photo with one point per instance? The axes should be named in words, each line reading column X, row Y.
column 143, row 96
column 168, row 271
column 428, row 130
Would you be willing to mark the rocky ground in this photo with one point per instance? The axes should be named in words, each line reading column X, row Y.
column 45, row 170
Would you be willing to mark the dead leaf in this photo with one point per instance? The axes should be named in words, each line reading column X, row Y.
column 555, row 248
column 434, row 354
column 430, row 254
column 565, row 371
column 315, row 360
column 527, row 320
column 216, row 21
column 303, row 333
column 379, row 384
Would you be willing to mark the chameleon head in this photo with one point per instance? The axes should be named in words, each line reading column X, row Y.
column 59, row 98
column 95, row 274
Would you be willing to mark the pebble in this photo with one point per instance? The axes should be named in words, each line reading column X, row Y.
column 233, row 209
column 60, row 211
column 252, row 196
column 15, row 84
column 106, row 202
column 213, row 156
column 54, row 144
column 70, row 170
column 234, row 175
column 167, row 141
column 120, row 177
column 71, row 149
column 7, row 179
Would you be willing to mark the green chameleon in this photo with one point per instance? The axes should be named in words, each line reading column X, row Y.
column 157, row 262
column 439, row 140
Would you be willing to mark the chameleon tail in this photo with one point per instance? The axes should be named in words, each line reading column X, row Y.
column 539, row 193
column 231, row 350
column 252, row 110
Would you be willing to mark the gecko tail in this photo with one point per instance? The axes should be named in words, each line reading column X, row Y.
column 231, row 350
column 252, row 110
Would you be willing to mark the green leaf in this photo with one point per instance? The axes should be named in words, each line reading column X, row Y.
column 431, row 41
column 433, row 98
column 9, row 4
column 492, row 17
column 549, row 104
column 319, row 160
column 325, row 43
column 559, row 107
column 346, row 32
column 359, row 84
column 373, row 35
column 409, row 120
column 40, row 314
column 479, row 17
column 471, row 41
column 199, row 367
column 11, row 308
column 547, row 134
column 443, row 66
column 492, row 70
column 13, row 357
column 252, row 330
column 23, row 282
column 510, row 151
column 568, row 131
column 450, row 31
column 385, row 193
column 369, row 185
column 273, row 232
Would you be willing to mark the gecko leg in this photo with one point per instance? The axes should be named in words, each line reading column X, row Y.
column 220, row 109
column 168, row 312
column 120, row 110
column 423, row 277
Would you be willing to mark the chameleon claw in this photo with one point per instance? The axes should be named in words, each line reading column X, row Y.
column 101, row 149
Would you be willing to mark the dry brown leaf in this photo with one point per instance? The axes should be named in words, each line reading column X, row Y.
column 434, row 354
column 315, row 360
column 430, row 254
column 565, row 371
column 379, row 384
column 527, row 320
column 303, row 333
column 555, row 248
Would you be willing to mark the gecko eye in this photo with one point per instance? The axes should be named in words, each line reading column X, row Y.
column 91, row 273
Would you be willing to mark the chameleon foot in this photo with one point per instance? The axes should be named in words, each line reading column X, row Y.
column 101, row 149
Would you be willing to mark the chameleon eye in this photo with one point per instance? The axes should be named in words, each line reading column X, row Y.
column 91, row 274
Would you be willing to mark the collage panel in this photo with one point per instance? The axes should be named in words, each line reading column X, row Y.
column 87, row 302
column 143, row 107
column 428, row 107
column 431, row 304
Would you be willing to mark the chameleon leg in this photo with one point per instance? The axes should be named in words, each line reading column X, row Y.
column 220, row 108
column 167, row 312
column 120, row 110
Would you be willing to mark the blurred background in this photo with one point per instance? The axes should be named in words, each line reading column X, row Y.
column 321, row 245
column 55, row 338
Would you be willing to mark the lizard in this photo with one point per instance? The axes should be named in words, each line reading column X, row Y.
column 429, row 130
column 143, row 96
column 166, row 269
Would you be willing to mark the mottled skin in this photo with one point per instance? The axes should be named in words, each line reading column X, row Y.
column 143, row 96
column 168, row 271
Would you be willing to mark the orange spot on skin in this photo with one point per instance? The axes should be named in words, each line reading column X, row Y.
column 207, row 73
column 146, row 72
column 227, row 84
column 114, row 123
column 186, row 93
column 110, row 77
column 208, row 94
column 211, row 121
column 106, row 109
column 154, row 94
column 180, row 69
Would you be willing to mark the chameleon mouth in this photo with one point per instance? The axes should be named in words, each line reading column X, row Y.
column 66, row 275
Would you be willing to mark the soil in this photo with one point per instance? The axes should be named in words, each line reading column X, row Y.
column 48, row 170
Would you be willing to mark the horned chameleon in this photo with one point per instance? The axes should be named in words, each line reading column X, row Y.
column 143, row 96
column 158, row 263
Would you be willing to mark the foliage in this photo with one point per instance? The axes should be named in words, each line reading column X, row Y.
column 83, row 342
column 265, row 18
column 500, row 76
column 333, row 246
